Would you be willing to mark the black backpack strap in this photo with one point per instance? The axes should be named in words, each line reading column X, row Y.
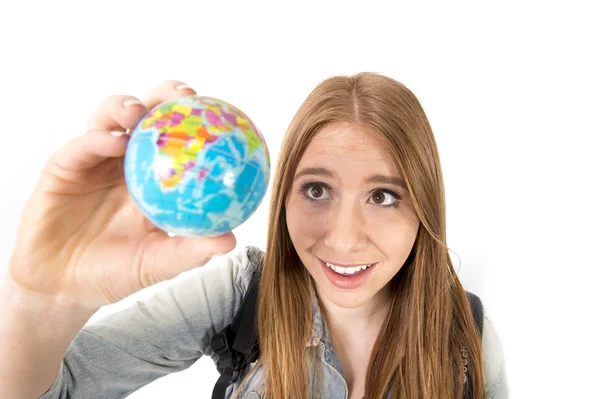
column 237, row 345
column 477, row 310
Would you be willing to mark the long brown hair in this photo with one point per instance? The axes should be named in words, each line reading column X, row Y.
column 419, row 350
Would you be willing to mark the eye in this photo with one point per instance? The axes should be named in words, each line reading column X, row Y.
column 315, row 191
column 386, row 198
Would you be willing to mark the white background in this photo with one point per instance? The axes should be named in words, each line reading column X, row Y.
column 511, row 91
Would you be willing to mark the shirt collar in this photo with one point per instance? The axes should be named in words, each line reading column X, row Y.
column 319, row 330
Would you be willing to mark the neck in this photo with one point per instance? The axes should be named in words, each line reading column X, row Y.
column 349, row 326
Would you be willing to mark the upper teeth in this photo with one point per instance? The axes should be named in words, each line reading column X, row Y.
column 346, row 270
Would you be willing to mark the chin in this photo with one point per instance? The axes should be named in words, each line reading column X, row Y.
column 342, row 298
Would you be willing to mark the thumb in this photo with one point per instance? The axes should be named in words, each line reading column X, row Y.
column 167, row 257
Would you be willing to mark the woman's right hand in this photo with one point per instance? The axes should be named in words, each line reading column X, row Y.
column 81, row 238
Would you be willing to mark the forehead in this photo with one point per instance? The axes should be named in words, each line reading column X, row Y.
column 351, row 144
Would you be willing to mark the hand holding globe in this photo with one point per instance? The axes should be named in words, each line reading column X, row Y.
column 89, row 238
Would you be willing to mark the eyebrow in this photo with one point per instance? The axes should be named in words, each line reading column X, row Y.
column 381, row 179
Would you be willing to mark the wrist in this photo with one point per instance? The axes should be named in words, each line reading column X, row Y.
column 35, row 332
column 21, row 300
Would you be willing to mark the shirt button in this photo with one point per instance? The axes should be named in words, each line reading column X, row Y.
column 253, row 395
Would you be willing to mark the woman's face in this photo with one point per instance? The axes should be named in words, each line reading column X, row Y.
column 348, row 206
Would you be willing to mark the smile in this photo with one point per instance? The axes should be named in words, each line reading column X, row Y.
column 348, row 276
column 347, row 271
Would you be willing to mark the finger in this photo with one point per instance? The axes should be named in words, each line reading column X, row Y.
column 90, row 149
column 167, row 90
column 174, row 255
column 117, row 113
column 107, row 127
column 124, row 112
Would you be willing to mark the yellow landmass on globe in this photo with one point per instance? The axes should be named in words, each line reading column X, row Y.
column 183, row 134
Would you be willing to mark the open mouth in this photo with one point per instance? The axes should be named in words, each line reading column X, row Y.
column 347, row 277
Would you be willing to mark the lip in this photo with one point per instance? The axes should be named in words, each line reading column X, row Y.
column 349, row 282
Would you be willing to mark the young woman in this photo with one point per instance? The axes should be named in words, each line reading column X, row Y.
column 358, row 297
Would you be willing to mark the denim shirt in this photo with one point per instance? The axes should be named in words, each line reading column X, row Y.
column 170, row 330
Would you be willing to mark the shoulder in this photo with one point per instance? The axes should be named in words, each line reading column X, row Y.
column 244, row 264
column 493, row 362
column 222, row 281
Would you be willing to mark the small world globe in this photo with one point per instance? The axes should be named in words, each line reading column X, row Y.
column 196, row 166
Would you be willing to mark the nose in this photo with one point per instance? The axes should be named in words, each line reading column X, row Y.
column 346, row 229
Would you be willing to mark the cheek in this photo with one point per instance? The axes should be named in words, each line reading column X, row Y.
column 394, row 234
column 397, row 244
column 303, row 220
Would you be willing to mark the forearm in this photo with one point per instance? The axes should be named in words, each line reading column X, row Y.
column 35, row 332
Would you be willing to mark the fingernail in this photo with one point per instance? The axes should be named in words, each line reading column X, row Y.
column 182, row 87
column 132, row 101
column 116, row 133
